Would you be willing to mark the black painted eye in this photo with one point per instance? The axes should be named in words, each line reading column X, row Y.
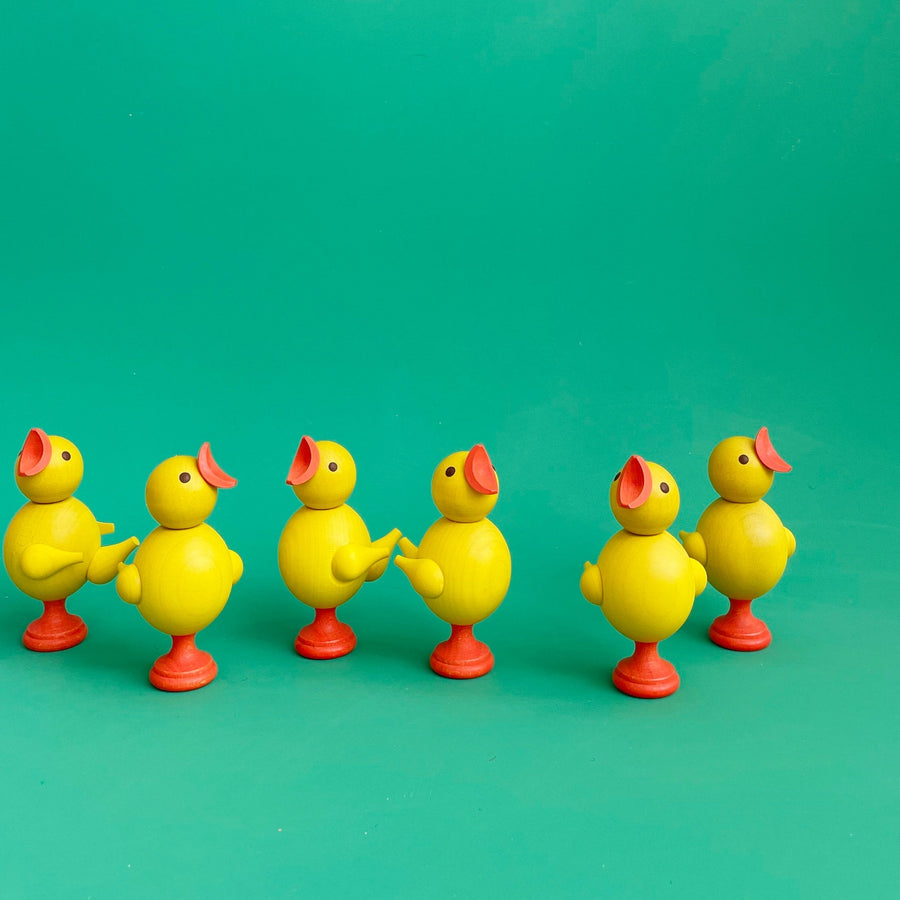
column 451, row 470
column 664, row 487
column 332, row 467
column 184, row 477
column 743, row 459
column 66, row 455
column 617, row 476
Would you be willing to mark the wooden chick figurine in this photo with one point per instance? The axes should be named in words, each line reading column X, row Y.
column 462, row 567
column 740, row 539
column 644, row 581
column 183, row 573
column 325, row 552
column 52, row 545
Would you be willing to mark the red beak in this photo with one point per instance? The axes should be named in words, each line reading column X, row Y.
column 479, row 472
column 210, row 470
column 36, row 452
column 306, row 462
column 767, row 454
column 635, row 483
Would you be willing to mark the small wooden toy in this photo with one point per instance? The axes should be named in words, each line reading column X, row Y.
column 462, row 567
column 325, row 552
column 739, row 538
column 643, row 580
column 183, row 573
column 52, row 545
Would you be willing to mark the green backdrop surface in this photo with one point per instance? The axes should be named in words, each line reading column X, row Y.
column 569, row 230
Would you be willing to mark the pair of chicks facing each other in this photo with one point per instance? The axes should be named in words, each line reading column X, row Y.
column 646, row 582
column 461, row 568
column 182, row 573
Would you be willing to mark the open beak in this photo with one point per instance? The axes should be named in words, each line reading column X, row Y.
column 767, row 454
column 635, row 483
column 210, row 471
column 306, row 461
column 36, row 452
column 479, row 472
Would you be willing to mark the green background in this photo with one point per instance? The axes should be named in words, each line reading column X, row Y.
column 569, row 230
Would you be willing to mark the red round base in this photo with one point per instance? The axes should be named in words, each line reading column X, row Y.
column 56, row 629
column 184, row 667
column 325, row 637
column 646, row 674
column 462, row 655
column 739, row 629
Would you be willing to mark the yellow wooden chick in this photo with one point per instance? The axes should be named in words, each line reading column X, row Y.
column 462, row 567
column 52, row 545
column 183, row 573
column 643, row 580
column 325, row 552
column 740, row 539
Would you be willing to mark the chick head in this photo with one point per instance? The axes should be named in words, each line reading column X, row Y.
column 644, row 497
column 464, row 486
column 323, row 474
column 49, row 468
column 741, row 469
column 181, row 491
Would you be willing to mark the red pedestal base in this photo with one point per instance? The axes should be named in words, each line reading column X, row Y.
column 646, row 674
column 56, row 629
column 184, row 667
column 462, row 655
column 739, row 629
column 325, row 637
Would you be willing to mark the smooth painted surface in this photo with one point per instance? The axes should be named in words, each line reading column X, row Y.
column 571, row 231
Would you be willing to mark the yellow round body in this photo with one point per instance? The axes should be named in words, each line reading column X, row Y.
column 186, row 578
column 648, row 585
column 65, row 525
column 747, row 547
column 306, row 550
column 477, row 568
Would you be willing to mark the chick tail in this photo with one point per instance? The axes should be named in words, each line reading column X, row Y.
column 237, row 567
column 105, row 562
column 106, row 527
column 388, row 542
column 592, row 584
column 40, row 561
column 695, row 545
column 699, row 574
column 408, row 548
column 128, row 583
column 424, row 575
column 791, row 541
